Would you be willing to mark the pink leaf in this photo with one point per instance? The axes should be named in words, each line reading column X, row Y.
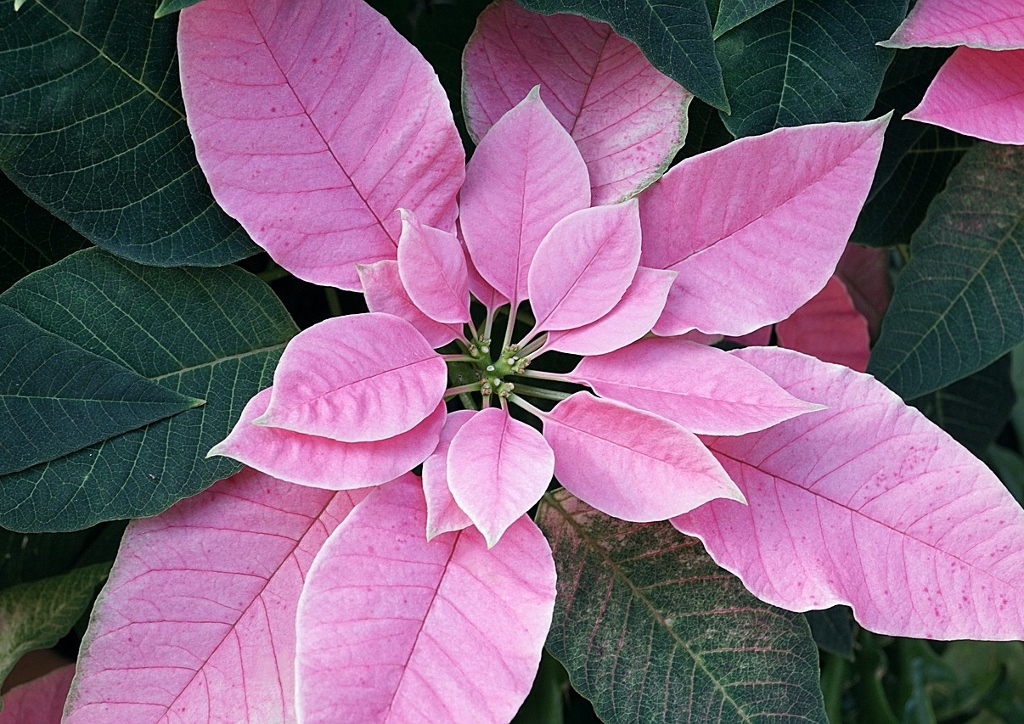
column 443, row 513
column 312, row 164
column 357, row 378
column 392, row 627
column 828, row 327
column 197, row 621
column 498, row 467
column 865, row 273
column 629, row 463
column 626, row 117
column 324, row 463
column 525, row 175
column 867, row 503
column 383, row 290
column 979, row 93
column 432, row 265
column 628, row 321
column 584, row 266
column 40, row 701
column 752, row 244
column 993, row 24
column 704, row 389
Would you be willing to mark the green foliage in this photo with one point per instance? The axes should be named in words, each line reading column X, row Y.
column 734, row 12
column 957, row 304
column 167, row 7
column 209, row 334
column 675, row 36
column 650, row 629
column 806, row 61
column 92, row 127
column 36, row 615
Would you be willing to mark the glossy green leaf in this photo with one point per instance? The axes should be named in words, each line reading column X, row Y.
column 1009, row 466
column 958, row 304
column 675, row 36
column 56, row 398
column 37, row 615
column 973, row 410
column 733, row 12
column 806, row 61
column 93, row 128
column 651, row 630
column 30, row 237
column 212, row 334
column 167, row 7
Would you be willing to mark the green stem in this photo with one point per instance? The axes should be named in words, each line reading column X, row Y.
column 542, row 393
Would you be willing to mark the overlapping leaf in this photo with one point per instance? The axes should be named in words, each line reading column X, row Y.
column 40, row 701
column 806, row 61
column 210, row 334
column 958, row 303
column 30, row 238
column 733, row 12
column 675, row 37
column 92, row 126
column 651, row 630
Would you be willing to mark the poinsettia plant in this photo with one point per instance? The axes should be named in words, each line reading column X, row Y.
column 587, row 392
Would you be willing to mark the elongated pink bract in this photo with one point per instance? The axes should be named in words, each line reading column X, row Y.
column 525, row 176
column 630, row 463
column 979, row 93
column 358, row 378
column 384, row 292
column 324, row 463
column 394, row 628
column 197, row 621
column 992, row 24
column 443, row 513
column 584, row 266
column 627, row 118
column 313, row 165
column 704, row 389
column 752, row 244
column 866, row 503
column 433, row 269
column 40, row 701
column 498, row 467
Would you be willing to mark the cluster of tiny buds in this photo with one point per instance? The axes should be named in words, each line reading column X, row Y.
column 495, row 386
column 480, row 348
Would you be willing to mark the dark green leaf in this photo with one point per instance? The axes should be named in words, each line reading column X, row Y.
column 733, row 12
column 172, row 6
column 806, row 61
column 832, row 630
column 36, row 615
column 56, row 398
column 651, row 630
column 893, row 213
column 543, row 705
column 675, row 36
column 92, row 127
column 212, row 334
column 705, row 130
column 30, row 238
column 973, row 410
column 1009, row 466
column 958, row 304
column 30, row 556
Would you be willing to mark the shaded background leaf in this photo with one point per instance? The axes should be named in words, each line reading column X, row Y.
column 675, row 37
column 36, row 615
column 832, row 629
column 30, row 237
column 212, row 334
column 806, row 61
column 95, row 131
column 167, row 7
column 650, row 629
column 973, row 410
column 957, row 305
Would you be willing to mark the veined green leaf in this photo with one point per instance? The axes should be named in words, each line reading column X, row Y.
column 806, row 61
column 651, row 630
column 167, row 7
column 36, row 615
column 210, row 334
column 734, row 12
column 92, row 127
column 958, row 304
